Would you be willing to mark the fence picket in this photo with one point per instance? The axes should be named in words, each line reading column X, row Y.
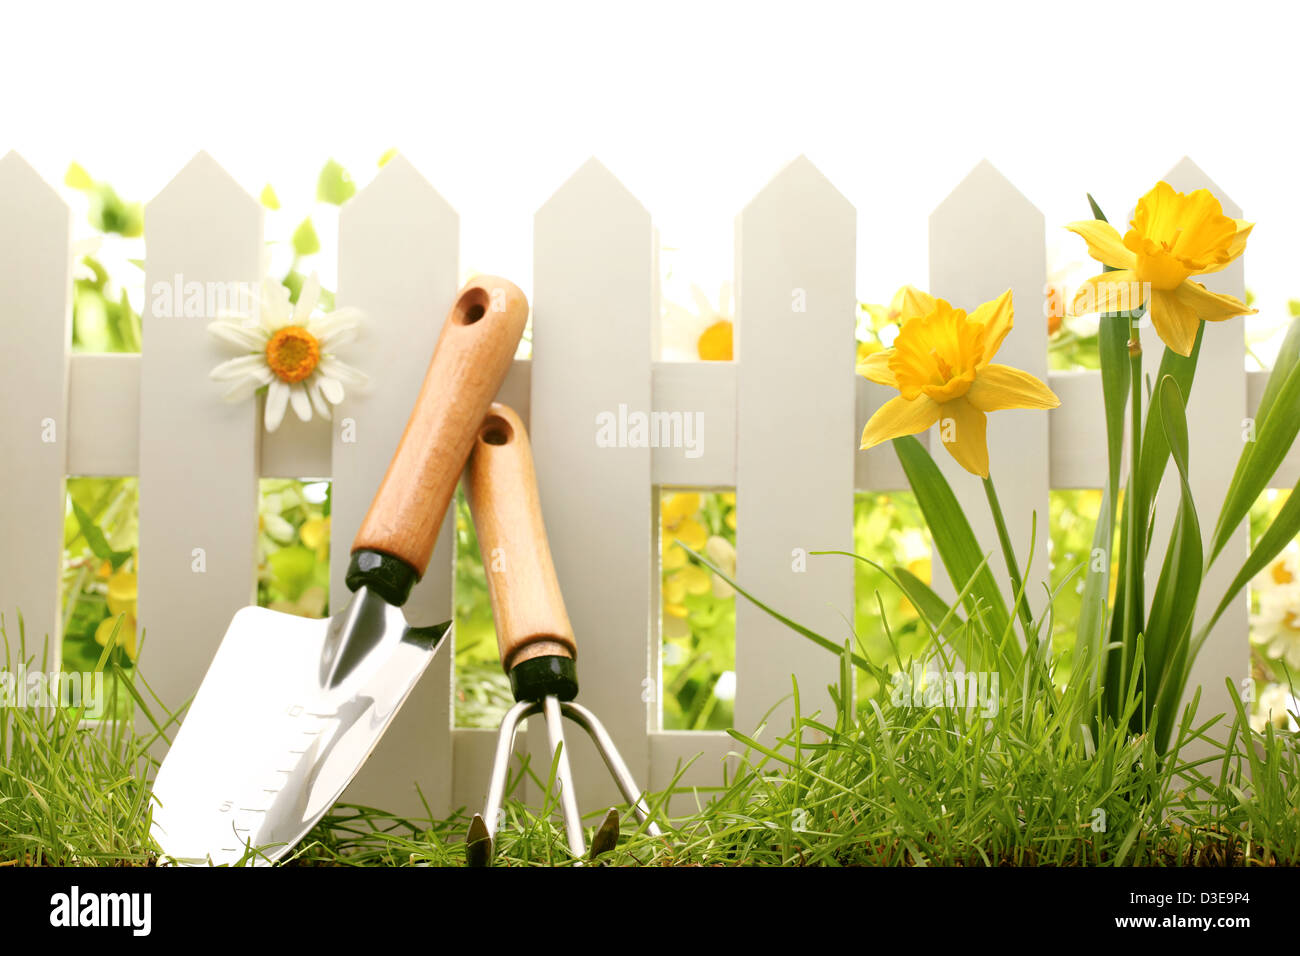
column 399, row 259
column 35, row 323
column 198, row 454
column 1216, row 412
column 593, row 302
column 987, row 237
column 795, row 444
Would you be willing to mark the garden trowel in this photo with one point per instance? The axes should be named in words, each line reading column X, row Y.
column 290, row 708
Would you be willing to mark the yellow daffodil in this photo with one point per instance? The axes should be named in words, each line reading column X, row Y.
column 1172, row 237
column 315, row 534
column 122, row 593
column 678, row 515
column 941, row 365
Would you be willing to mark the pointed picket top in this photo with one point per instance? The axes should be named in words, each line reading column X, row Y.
column 798, row 183
column 20, row 182
column 1186, row 176
column 591, row 185
column 399, row 184
column 35, row 334
column 201, row 184
column 985, row 182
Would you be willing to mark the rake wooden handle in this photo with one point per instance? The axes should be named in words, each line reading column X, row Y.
column 526, row 600
column 469, row 363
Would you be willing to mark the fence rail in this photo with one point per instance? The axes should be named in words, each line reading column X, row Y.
column 780, row 427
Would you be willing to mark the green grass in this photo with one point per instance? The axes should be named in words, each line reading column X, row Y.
column 861, row 784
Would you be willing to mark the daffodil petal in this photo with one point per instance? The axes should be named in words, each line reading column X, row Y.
column 898, row 417
column 999, row 387
column 1117, row 291
column 963, row 429
column 1104, row 243
column 1176, row 321
column 997, row 317
column 876, row 368
column 912, row 302
column 1210, row 306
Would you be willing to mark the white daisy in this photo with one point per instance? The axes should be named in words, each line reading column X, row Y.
column 1276, row 627
column 1276, row 707
column 704, row 333
column 291, row 352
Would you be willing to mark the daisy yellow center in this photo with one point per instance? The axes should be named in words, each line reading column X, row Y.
column 938, row 354
column 292, row 354
column 1176, row 235
column 1292, row 621
column 1281, row 574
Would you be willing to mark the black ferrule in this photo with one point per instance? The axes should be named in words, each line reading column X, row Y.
column 389, row 577
column 540, row 677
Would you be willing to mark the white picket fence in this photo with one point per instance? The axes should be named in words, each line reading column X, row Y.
column 781, row 426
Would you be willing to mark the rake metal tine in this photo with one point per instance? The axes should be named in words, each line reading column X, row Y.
column 606, row 837
column 482, row 829
column 613, row 760
column 564, row 776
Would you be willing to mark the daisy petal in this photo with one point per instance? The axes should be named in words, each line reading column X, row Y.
column 345, row 373
column 317, row 399
column 963, row 429
column 239, row 332
column 300, row 403
column 898, row 417
column 1001, row 386
column 277, row 400
column 331, row 388
column 237, row 367
column 1104, row 243
column 308, row 299
column 246, row 386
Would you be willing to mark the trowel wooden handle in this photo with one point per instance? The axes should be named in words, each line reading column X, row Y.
column 473, row 355
column 526, row 600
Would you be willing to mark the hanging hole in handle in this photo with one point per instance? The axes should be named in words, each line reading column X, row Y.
column 473, row 305
column 496, row 431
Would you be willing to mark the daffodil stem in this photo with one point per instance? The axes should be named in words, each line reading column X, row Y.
column 1013, row 569
column 1135, row 599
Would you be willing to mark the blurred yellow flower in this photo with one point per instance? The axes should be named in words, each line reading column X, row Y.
column 940, row 363
column 1172, row 237
column 122, row 594
column 315, row 534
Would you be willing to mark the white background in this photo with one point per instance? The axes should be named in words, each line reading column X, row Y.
column 693, row 105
